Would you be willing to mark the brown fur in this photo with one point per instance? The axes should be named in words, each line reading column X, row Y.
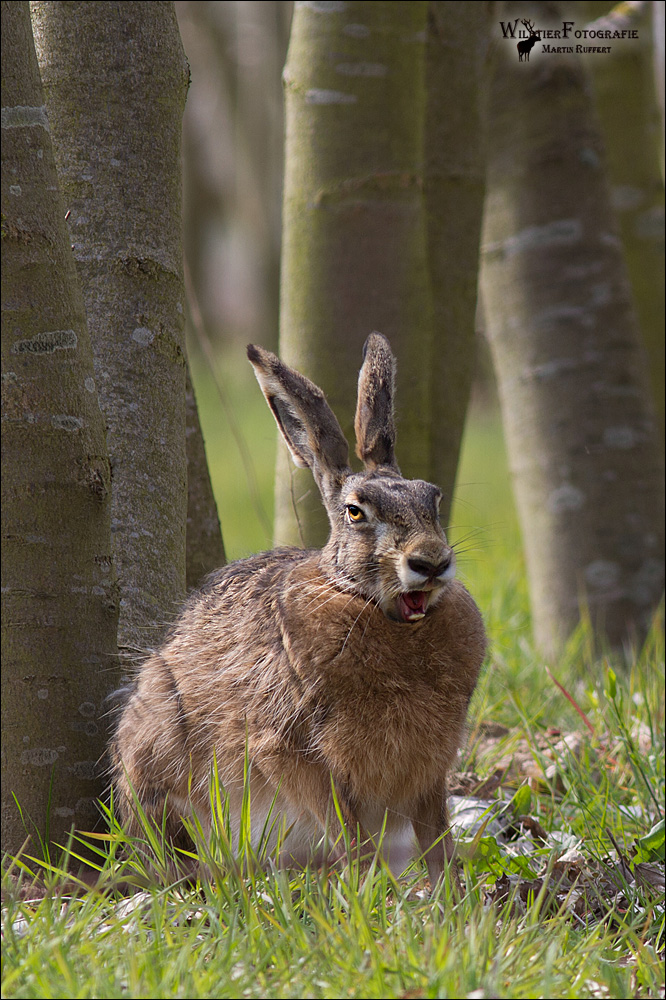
column 306, row 656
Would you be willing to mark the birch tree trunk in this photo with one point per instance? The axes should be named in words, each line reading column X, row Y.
column 571, row 371
column 115, row 78
column 454, row 190
column 59, row 597
column 353, row 253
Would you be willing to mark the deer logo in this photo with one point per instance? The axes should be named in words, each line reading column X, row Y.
column 527, row 44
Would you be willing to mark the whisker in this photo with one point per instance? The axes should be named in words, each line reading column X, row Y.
column 351, row 629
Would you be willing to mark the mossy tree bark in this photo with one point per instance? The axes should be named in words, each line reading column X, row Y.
column 571, row 371
column 382, row 205
column 59, row 598
column 115, row 79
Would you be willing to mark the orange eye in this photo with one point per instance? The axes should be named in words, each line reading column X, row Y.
column 355, row 513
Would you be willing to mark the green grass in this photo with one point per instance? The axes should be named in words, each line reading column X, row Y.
column 530, row 925
column 245, row 930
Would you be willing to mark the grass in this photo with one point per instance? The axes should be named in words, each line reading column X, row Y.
column 561, row 904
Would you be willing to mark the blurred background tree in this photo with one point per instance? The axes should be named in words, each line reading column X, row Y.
column 373, row 158
column 627, row 103
column 570, row 363
column 233, row 161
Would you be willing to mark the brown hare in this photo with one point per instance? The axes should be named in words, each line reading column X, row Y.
column 350, row 666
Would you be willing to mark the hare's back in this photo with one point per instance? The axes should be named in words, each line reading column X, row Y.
column 232, row 622
column 214, row 679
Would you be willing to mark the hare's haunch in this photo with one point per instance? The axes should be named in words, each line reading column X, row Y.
column 353, row 664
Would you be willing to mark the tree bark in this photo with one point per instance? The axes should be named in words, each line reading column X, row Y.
column 115, row 77
column 454, row 190
column 59, row 596
column 353, row 253
column 625, row 99
column 658, row 40
column 205, row 549
column 576, row 407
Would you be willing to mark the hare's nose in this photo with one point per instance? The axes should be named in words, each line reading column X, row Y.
column 430, row 569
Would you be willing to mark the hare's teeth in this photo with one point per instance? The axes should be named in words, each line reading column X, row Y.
column 413, row 605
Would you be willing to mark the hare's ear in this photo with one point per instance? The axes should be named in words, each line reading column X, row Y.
column 374, row 423
column 306, row 421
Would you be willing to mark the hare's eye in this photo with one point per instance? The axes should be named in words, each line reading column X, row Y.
column 355, row 513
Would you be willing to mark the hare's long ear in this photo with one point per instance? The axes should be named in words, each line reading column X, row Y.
column 306, row 421
column 374, row 423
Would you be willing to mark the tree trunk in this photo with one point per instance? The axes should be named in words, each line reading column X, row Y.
column 353, row 256
column 658, row 26
column 115, row 77
column 454, row 189
column 205, row 549
column 577, row 413
column 624, row 91
column 233, row 136
column 59, row 596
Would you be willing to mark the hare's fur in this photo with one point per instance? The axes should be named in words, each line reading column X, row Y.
column 353, row 664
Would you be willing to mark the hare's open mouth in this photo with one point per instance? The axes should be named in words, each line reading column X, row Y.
column 412, row 605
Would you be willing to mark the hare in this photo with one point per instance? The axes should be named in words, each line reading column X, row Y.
column 349, row 667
